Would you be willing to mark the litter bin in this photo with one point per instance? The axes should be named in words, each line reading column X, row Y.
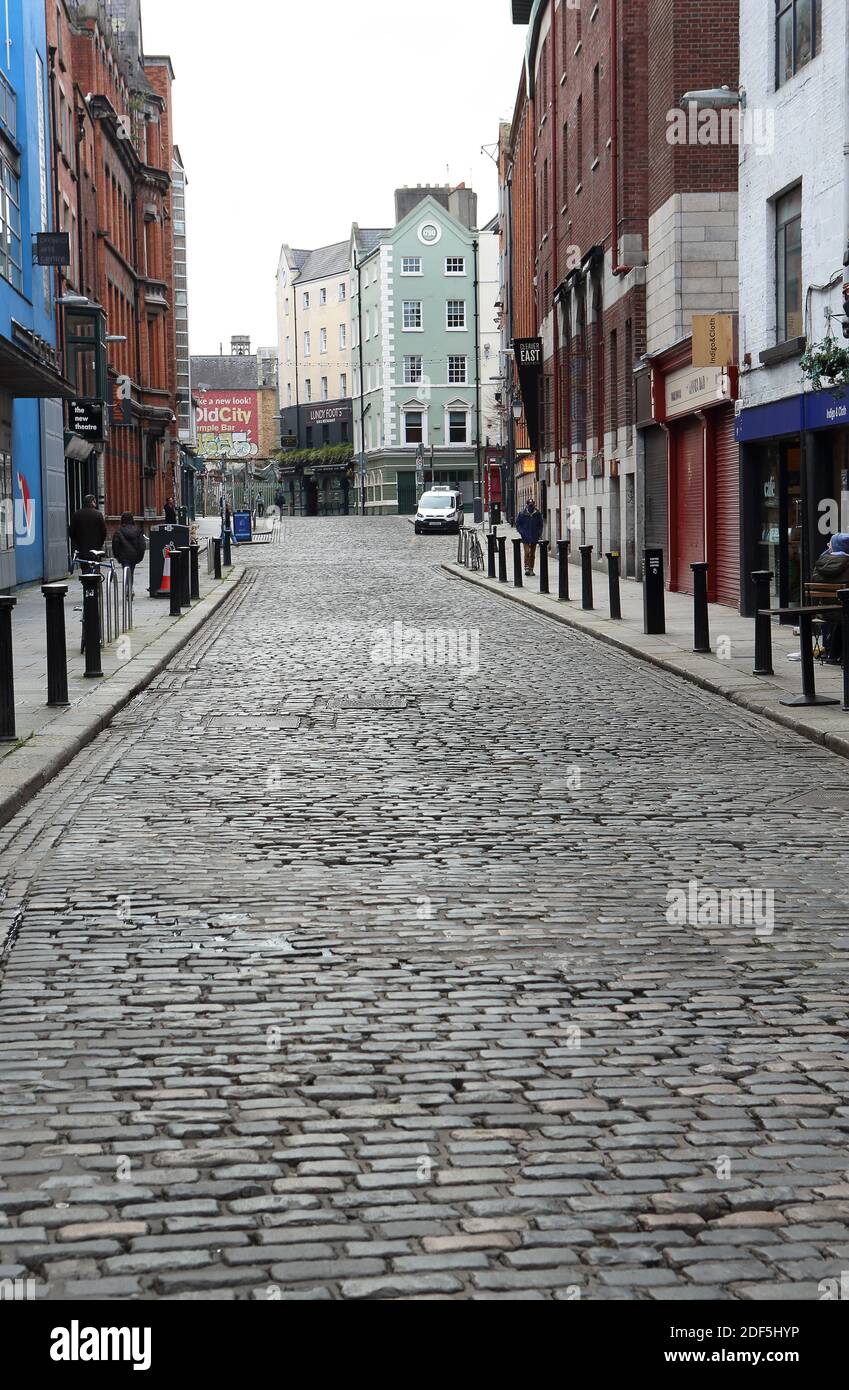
column 160, row 536
column 242, row 529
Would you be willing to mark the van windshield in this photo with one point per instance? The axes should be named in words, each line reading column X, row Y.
column 437, row 504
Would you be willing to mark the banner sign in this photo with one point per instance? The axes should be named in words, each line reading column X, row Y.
column 228, row 424
column 52, row 248
column 329, row 414
column 529, row 368
column 86, row 419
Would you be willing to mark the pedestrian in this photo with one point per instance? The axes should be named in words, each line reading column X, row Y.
column 832, row 567
column 128, row 546
column 170, row 512
column 260, row 507
column 529, row 524
column 88, row 530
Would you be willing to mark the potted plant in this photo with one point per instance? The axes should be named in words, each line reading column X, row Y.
column 826, row 366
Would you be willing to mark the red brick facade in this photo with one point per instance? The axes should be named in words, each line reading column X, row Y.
column 114, row 140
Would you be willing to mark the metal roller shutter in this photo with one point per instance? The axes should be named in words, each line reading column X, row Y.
column 689, row 502
column 656, row 490
column 725, row 560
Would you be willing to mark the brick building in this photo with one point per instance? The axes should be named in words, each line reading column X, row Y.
column 589, row 136
column 113, row 133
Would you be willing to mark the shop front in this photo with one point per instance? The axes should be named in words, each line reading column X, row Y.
column 691, row 474
column 795, row 493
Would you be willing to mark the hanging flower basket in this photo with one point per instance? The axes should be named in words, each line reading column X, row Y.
column 826, row 366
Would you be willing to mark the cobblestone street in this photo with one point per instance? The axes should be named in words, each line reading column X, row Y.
column 331, row 978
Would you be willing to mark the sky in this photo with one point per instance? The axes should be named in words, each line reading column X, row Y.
column 296, row 118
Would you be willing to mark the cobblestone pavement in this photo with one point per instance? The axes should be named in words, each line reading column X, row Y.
column 335, row 979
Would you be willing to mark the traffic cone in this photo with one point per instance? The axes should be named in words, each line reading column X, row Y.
column 165, row 587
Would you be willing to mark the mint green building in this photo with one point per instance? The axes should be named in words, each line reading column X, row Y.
column 416, row 336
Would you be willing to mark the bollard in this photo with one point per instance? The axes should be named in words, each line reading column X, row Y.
column 543, row 569
column 459, row 547
column 491, row 542
column 563, row 571
column 7, row 672
column 762, row 580
column 176, row 583
column 228, row 550
column 186, row 587
column 843, row 596
column 701, row 626
column 216, row 552
column 502, row 559
column 654, row 597
column 92, row 590
column 586, row 575
column 194, row 572
column 517, row 564
column 613, row 584
column 57, row 649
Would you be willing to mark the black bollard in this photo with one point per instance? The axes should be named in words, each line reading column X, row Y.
column 459, row 547
column 517, row 564
column 92, row 589
column 563, row 570
column 543, row 569
column 194, row 572
column 843, row 596
column 762, row 580
column 186, row 587
column 228, row 550
column 57, row 650
column 613, row 584
column 491, row 542
column 586, row 575
column 654, row 596
column 502, row 559
column 7, row 671
column 216, row 554
column 701, row 626
column 176, row 583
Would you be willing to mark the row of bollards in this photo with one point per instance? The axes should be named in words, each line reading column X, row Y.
column 185, row 590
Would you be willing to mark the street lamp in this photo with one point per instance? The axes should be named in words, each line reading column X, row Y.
column 518, row 408
column 716, row 98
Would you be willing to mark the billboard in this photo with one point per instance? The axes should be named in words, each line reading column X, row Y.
column 228, row 424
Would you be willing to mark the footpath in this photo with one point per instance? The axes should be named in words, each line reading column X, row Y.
column 727, row 671
column 47, row 739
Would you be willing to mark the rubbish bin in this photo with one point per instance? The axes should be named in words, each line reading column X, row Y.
column 160, row 536
column 242, row 528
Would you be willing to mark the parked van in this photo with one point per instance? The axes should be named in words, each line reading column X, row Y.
column 440, row 509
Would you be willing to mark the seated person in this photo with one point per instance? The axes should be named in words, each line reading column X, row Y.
column 832, row 567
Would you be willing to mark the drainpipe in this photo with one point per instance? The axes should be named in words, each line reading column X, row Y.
column 362, row 380
column 846, row 143
column 617, row 269
column 478, row 368
column 555, row 279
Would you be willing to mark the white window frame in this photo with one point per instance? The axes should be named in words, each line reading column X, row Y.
column 307, row 388
column 408, row 304
column 343, row 337
column 343, row 385
column 405, row 260
column 458, row 408
column 322, row 295
column 343, row 292
column 409, row 359
column 307, row 344
column 461, row 259
column 325, row 388
column 306, row 303
column 458, row 357
column 322, row 340
column 456, row 328
column 413, row 408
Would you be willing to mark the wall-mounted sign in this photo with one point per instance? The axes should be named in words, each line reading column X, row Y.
column 713, row 340
column 228, row 424
column 528, row 354
column 86, row 419
column 430, row 233
column 52, row 248
column 694, row 388
column 329, row 414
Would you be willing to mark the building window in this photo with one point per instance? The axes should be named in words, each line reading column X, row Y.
column 306, row 299
column 788, row 264
column 343, row 292
column 325, row 434
column 343, row 385
column 322, row 340
column 458, row 371
column 614, row 387
column 455, row 265
column 343, row 432
column 455, row 318
column 343, row 336
column 7, row 514
column 413, row 425
column 308, row 436
column 325, row 393
column 413, row 315
column 596, row 110
column 565, row 164
column 458, row 427
column 322, row 296
column 412, row 371
column 411, row 265
column 11, row 259
column 307, row 345
column 579, row 141
column 797, row 38
column 307, row 390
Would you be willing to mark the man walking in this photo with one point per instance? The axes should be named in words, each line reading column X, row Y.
column 88, row 529
column 529, row 524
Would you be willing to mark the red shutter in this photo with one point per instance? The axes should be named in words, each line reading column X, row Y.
column 725, row 560
column 690, row 502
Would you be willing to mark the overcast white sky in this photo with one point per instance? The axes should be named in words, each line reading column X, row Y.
column 297, row 117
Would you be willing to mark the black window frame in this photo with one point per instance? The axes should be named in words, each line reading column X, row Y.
column 782, row 8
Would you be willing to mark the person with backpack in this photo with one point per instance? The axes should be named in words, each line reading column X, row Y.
column 530, row 524
column 128, row 545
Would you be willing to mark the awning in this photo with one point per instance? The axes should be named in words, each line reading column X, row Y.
column 25, row 376
column 76, row 448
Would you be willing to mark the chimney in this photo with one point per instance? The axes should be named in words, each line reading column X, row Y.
column 463, row 204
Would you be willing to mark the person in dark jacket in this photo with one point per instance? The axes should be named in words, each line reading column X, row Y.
column 88, row 530
column 170, row 512
column 128, row 545
column 832, row 567
column 529, row 524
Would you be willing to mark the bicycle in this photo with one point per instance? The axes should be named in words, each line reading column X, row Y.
column 476, row 560
column 99, row 564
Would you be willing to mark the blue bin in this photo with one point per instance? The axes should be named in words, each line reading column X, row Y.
column 242, row 530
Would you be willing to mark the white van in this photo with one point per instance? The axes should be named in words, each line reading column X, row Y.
column 440, row 509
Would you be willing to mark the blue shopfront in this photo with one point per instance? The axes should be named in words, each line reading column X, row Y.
column 795, row 487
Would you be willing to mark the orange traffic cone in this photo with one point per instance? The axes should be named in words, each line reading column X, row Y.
column 165, row 587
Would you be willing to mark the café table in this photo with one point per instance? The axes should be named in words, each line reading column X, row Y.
column 805, row 615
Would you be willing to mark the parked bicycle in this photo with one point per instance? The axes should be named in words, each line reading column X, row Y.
column 109, row 598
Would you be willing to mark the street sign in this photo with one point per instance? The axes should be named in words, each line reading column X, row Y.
column 52, row 248
column 86, row 419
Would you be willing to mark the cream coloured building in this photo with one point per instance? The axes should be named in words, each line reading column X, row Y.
column 314, row 331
